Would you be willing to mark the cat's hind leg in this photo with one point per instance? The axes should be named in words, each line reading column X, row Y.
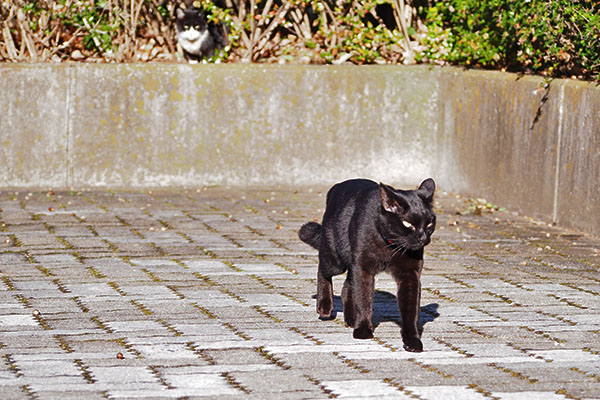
column 324, row 294
column 329, row 266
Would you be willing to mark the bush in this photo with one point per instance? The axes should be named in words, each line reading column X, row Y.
column 555, row 38
column 259, row 31
column 101, row 30
column 360, row 32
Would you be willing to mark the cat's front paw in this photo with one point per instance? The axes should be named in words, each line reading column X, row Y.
column 414, row 345
column 362, row 334
column 325, row 309
column 363, row 331
column 326, row 317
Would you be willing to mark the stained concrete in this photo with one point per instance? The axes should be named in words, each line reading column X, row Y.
column 578, row 180
column 179, row 125
column 33, row 125
column 503, row 135
column 513, row 140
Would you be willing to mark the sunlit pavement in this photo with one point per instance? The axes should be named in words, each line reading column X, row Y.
column 209, row 293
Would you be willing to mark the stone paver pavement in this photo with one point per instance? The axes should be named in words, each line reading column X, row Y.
column 209, row 293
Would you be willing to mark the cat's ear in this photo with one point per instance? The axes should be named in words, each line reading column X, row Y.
column 389, row 201
column 426, row 190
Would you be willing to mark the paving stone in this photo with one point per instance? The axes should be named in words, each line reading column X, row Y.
column 273, row 381
column 210, row 294
column 445, row 392
column 364, row 389
column 529, row 396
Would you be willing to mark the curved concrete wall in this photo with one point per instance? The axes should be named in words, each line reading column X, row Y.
column 485, row 134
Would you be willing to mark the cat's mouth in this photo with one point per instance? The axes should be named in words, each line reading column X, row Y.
column 398, row 246
column 192, row 35
column 192, row 38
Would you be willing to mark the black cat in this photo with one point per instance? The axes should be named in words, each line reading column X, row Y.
column 198, row 37
column 369, row 228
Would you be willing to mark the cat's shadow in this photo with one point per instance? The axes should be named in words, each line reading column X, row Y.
column 385, row 309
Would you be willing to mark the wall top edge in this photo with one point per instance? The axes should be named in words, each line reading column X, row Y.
column 443, row 69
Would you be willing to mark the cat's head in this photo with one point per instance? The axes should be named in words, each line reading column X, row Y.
column 407, row 219
column 191, row 19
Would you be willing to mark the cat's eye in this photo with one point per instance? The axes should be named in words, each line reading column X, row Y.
column 186, row 27
column 430, row 225
column 408, row 225
column 197, row 27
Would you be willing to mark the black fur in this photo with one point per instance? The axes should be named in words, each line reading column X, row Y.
column 311, row 233
column 369, row 228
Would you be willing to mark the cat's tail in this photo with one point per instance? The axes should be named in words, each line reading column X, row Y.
column 310, row 233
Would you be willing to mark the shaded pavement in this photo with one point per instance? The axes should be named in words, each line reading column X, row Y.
column 209, row 293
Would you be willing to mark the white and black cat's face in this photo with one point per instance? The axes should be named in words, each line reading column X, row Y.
column 407, row 219
column 192, row 29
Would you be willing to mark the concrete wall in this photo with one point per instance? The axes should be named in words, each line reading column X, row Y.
column 524, row 146
column 485, row 134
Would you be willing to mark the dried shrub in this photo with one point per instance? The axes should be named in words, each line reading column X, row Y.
column 92, row 30
column 554, row 38
column 364, row 31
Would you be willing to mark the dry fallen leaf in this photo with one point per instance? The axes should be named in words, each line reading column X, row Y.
column 453, row 222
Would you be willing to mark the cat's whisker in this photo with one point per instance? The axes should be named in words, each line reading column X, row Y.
column 398, row 248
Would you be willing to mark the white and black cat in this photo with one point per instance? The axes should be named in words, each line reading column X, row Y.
column 198, row 37
column 369, row 228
